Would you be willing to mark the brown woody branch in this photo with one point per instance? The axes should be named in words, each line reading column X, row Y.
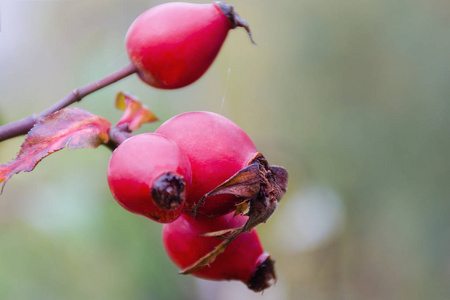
column 22, row 126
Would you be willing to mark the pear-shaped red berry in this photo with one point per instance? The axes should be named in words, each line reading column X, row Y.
column 173, row 44
column 217, row 149
column 147, row 175
column 243, row 259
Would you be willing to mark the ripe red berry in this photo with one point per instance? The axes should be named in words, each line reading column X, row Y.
column 173, row 44
column 244, row 259
column 217, row 149
column 147, row 175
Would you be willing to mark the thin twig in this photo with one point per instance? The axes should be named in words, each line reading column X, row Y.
column 22, row 126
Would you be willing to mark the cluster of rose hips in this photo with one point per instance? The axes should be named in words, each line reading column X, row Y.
column 196, row 174
column 199, row 173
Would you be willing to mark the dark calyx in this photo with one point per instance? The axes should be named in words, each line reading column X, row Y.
column 235, row 19
column 168, row 191
column 263, row 277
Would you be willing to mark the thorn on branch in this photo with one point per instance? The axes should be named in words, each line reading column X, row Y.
column 76, row 93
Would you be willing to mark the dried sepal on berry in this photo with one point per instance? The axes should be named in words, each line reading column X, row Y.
column 262, row 187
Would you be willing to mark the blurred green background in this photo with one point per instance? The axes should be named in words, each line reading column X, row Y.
column 352, row 97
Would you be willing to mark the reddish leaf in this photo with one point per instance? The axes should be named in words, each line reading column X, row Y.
column 71, row 127
column 135, row 113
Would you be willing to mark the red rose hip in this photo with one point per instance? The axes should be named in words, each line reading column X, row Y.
column 244, row 259
column 173, row 44
column 147, row 175
column 217, row 149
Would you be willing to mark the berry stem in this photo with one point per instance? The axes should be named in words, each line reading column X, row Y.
column 117, row 135
column 22, row 126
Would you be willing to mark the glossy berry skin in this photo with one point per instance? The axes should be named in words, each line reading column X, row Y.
column 173, row 44
column 217, row 149
column 244, row 259
column 147, row 174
